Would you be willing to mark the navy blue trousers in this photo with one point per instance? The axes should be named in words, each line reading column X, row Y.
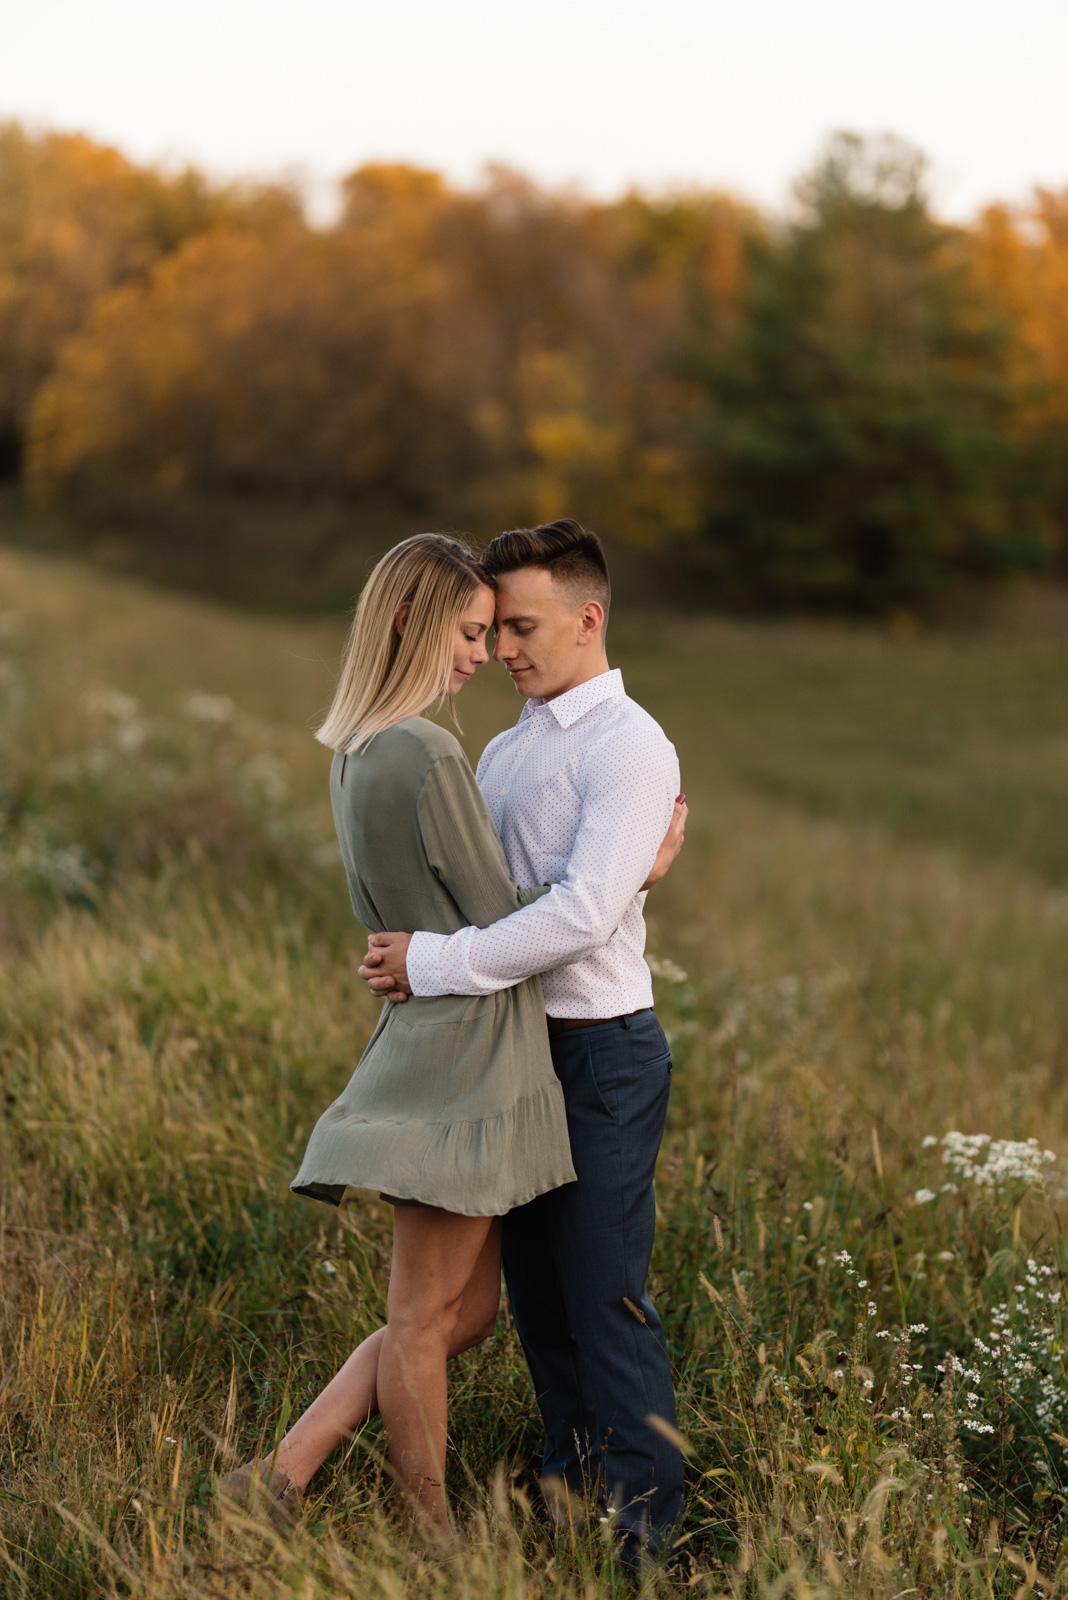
column 572, row 1260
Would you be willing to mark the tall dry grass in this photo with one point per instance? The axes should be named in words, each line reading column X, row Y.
column 852, row 959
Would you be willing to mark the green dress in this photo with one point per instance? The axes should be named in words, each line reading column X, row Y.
column 455, row 1101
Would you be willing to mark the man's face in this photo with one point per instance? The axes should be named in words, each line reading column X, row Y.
column 547, row 641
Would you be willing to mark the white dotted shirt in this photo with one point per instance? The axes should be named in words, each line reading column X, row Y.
column 581, row 790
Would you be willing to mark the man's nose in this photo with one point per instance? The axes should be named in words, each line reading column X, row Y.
column 502, row 650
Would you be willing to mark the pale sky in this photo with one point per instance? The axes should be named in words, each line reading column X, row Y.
column 734, row 94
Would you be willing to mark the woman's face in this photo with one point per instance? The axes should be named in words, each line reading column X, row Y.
column 470, row 649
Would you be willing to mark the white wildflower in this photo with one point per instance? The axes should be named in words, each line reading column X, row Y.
column 209, row 707
column 993, row 1164
column 131, row 736
column 111, row 703
column 669, row 971
column 266, row 777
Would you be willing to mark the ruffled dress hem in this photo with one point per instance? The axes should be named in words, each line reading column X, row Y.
column 468, row 1168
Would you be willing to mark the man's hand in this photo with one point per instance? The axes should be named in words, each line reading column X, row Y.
column 385, row 966
column 669, row 848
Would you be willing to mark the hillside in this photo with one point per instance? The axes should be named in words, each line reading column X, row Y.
column 860, row 952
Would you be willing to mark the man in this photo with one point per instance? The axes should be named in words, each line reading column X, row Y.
column 583, row 791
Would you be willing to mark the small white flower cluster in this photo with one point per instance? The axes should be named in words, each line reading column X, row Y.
column 64, row 867
column 209, row 707
column 970, row 1375
column 924, row 1197
column 666, row 970
column 111, row 703
column 128, row 729
column 904, row 1374
column 992, row 1164
column 1023, row 1346
column 148, row 754
column 264, row 778
column 845, row 1261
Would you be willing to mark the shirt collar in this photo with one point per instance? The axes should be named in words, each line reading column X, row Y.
column 568, row 708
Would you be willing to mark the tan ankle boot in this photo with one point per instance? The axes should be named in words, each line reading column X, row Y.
column 255, row 1488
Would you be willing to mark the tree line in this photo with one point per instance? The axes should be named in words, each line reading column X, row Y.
column 848, row 409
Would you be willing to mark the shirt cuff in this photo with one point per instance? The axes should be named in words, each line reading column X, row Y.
column 424, row 961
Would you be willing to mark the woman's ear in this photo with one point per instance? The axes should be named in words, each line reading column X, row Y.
column 401, row 615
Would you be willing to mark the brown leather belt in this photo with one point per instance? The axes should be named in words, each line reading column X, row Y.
column 565, row 1024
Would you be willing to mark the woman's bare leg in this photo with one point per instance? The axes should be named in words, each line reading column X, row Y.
column 348, row 1401
column 351, row 1397
column 435, row 1254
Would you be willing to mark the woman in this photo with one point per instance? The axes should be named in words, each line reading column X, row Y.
column 454, row 1110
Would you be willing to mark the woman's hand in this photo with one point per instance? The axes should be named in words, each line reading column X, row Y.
column 671, row 844
column 385, row 966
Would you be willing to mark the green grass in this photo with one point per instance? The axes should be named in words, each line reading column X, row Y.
column 871, row 917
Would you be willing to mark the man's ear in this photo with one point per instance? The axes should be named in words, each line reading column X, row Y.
column 591, row 621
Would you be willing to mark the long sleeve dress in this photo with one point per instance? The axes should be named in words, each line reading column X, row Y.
column 455, row 1101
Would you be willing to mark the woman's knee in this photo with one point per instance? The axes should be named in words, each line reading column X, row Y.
column 424, row 1318
column 480, row 1334
column 429, row 1298
column 478, row 1317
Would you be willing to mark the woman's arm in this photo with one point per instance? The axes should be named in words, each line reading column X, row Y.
column 627, row 803
column 463, row 846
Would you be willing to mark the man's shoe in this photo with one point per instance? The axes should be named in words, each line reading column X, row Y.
column 256, row 1488
column 638, row 1559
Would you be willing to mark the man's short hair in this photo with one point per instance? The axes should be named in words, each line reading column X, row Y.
column 566, row 549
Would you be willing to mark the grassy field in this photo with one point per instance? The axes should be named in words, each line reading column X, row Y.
column 861, row 951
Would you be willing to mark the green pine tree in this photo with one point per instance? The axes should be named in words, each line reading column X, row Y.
column 862, row 442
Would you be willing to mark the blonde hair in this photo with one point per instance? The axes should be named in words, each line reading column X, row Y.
column 385, row 675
